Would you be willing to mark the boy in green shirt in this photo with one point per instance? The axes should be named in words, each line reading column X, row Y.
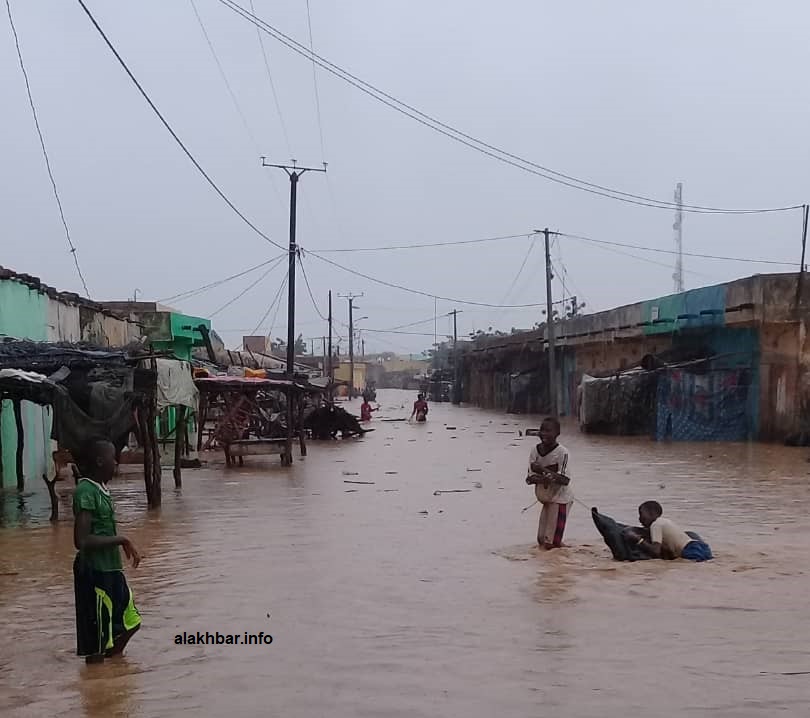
column 106, row 617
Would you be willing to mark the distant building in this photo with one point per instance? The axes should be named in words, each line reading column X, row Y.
column 166, row 329
column 343, row 370
column 725, row 362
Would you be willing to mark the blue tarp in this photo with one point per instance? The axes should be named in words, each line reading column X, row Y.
column 710, row 406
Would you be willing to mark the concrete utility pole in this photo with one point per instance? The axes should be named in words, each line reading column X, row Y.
column 552, row 369
column 802, row 269
column 351, row 297
column 456, row 377
column 331, row 374
column 294, row 173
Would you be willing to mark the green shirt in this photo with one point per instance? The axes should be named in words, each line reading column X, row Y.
column 95, row 498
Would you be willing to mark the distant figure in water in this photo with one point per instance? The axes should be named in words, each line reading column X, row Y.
column 106, row 617
column 549, row 473
column 420, row 408
column 667, row 539
column 366, row 409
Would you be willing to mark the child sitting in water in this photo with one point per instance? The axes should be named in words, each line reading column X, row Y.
column 667, row 539
column 548, row 472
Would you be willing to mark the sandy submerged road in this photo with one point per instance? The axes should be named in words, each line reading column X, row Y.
column 384, row 599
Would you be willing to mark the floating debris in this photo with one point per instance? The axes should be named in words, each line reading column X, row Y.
column 474, row 470
column 439, row 492
column 450, row 428
column 424, row 512
column 478, row 485
column 391, row 473
column 388, row 491
column 357, row 482
column 351, row 491
column 351, row 473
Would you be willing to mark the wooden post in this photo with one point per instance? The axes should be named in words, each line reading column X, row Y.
column 146, row 445
column 288, row 459
column 50, row 483
column 179, row 441
column 2, row 399
column 301, row 439
column 156, row 486
column 20, row 443
column 202, row 417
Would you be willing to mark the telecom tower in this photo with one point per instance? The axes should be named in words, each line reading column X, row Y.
column 677, row 276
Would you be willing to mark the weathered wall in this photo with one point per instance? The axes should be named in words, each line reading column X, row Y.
column 23, row 315
column 37, row 312
column 780, row 395
column 752, row 324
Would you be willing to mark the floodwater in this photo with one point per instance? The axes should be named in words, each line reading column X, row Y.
column 386, row 600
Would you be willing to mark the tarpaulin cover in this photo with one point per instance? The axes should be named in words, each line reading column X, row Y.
column 528, row 392
column 614, row 535
column 175, row 384
column 712, row 406
column 72, row 427
column 622, row 404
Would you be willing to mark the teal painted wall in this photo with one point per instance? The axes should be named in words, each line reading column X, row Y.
column 663, row 313
column 23, row 315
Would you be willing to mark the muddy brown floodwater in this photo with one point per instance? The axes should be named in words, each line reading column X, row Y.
column 386, row 600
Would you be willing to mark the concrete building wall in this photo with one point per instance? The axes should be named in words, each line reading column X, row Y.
column 755, row 328
column 63, row 322
column 23, row 315
column 31, row 310
column 781, row 375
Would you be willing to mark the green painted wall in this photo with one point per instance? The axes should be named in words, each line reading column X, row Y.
column 23, row 315
column 704, row 307
column 174, row 332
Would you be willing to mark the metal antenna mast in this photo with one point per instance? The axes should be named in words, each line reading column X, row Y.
column 678, row 227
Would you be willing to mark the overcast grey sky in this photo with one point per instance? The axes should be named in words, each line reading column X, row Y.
column 634, row 95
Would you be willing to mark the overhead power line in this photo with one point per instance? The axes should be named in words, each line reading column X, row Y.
column 275, row 303
column 309, row 289
column 749, row 260
column 416, row 324
column 473, row 142
column 315, row 81
column 623, row 253
column 205, row 287
column 223, row 75
column 246, row 289
column 171, row 131
column 44, row 150
column 395, row 331
column 421, row 293
column 422, row 245
column 272, row 85
column 520, row 271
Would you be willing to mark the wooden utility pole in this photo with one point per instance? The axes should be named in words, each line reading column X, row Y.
column 294, row 173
